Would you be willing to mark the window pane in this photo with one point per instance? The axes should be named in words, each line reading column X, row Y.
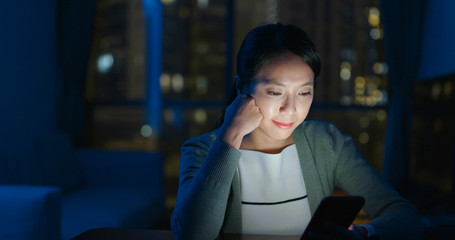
column 116, row 81
column 347, row 35
column 432, row 122
column 194, row 50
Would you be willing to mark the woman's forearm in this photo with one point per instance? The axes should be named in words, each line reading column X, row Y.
column 203, row 194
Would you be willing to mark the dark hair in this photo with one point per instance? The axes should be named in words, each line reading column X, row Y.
column 264, row 43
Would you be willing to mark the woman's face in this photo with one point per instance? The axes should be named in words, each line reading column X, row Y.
column 284, row 93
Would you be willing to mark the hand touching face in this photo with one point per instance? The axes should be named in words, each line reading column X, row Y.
column 243, row 114
column 241, row 117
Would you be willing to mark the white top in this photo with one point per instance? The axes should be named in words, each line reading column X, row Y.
column 274, row 197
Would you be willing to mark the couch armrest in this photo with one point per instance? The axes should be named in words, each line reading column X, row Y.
column 29, row 212
column 122, row 168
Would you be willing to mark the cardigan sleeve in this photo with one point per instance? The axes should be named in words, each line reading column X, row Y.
column 206, row 170
column 393, row 217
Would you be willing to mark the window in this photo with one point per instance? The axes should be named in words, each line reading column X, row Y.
column 200, row 39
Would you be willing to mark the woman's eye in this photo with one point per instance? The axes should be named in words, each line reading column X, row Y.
column 273, row 93
column 305, row 93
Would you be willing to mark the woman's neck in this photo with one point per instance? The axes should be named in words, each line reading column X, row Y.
column 265, row 144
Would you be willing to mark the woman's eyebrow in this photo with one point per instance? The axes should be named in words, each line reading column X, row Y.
column 309, row 83
column 278, row 83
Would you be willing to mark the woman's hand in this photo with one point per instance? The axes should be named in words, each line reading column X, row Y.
column 240, row 118
column 337, row 232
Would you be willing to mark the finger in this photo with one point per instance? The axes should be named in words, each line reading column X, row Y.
column 254, row 105
column 249, row 100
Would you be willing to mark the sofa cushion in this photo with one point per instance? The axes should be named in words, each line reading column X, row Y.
column 59, row 166
column 131, row 207
column 29, row 212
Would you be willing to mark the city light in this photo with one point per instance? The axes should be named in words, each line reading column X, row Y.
column 345, row 74
column 177, row 83
column 167, row 2
column 364, row 138
column 202, row 85
column 146, row 131
column 436, row 91
column 448, row 89
column 165, row 82
column 105, row 62
column 367, row 92
column 373, row 17
column 381, row 115
column 375, row 33
column 200, row 116
column 345, row 71
column 347, row 53
column 346, row 100
column 381, row 68
column 202, row 3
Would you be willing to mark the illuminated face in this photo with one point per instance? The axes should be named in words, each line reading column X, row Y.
column 284, row 93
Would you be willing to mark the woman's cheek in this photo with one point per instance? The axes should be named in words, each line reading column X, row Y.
column 266, row 109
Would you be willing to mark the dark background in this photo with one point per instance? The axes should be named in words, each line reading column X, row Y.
column 83, row 68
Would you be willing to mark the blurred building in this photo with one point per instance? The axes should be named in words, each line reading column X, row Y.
column 200, row 40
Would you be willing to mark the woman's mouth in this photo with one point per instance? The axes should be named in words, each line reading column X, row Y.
column 283, row 125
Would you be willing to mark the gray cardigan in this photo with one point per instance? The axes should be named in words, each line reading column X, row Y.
column 209, row 201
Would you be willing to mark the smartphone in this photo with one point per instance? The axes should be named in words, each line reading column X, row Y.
column 341, row 210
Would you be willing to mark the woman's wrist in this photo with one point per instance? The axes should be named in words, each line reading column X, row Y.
column 231, row 137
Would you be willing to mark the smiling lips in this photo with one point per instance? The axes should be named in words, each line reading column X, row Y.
column 283, row 125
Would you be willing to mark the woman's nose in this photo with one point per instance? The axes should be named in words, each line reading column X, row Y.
column 288, row 106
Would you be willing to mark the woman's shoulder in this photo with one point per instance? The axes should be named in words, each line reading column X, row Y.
column 317, row 132
column 311, row 126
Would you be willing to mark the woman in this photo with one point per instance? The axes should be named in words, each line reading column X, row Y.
column 266, row 168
